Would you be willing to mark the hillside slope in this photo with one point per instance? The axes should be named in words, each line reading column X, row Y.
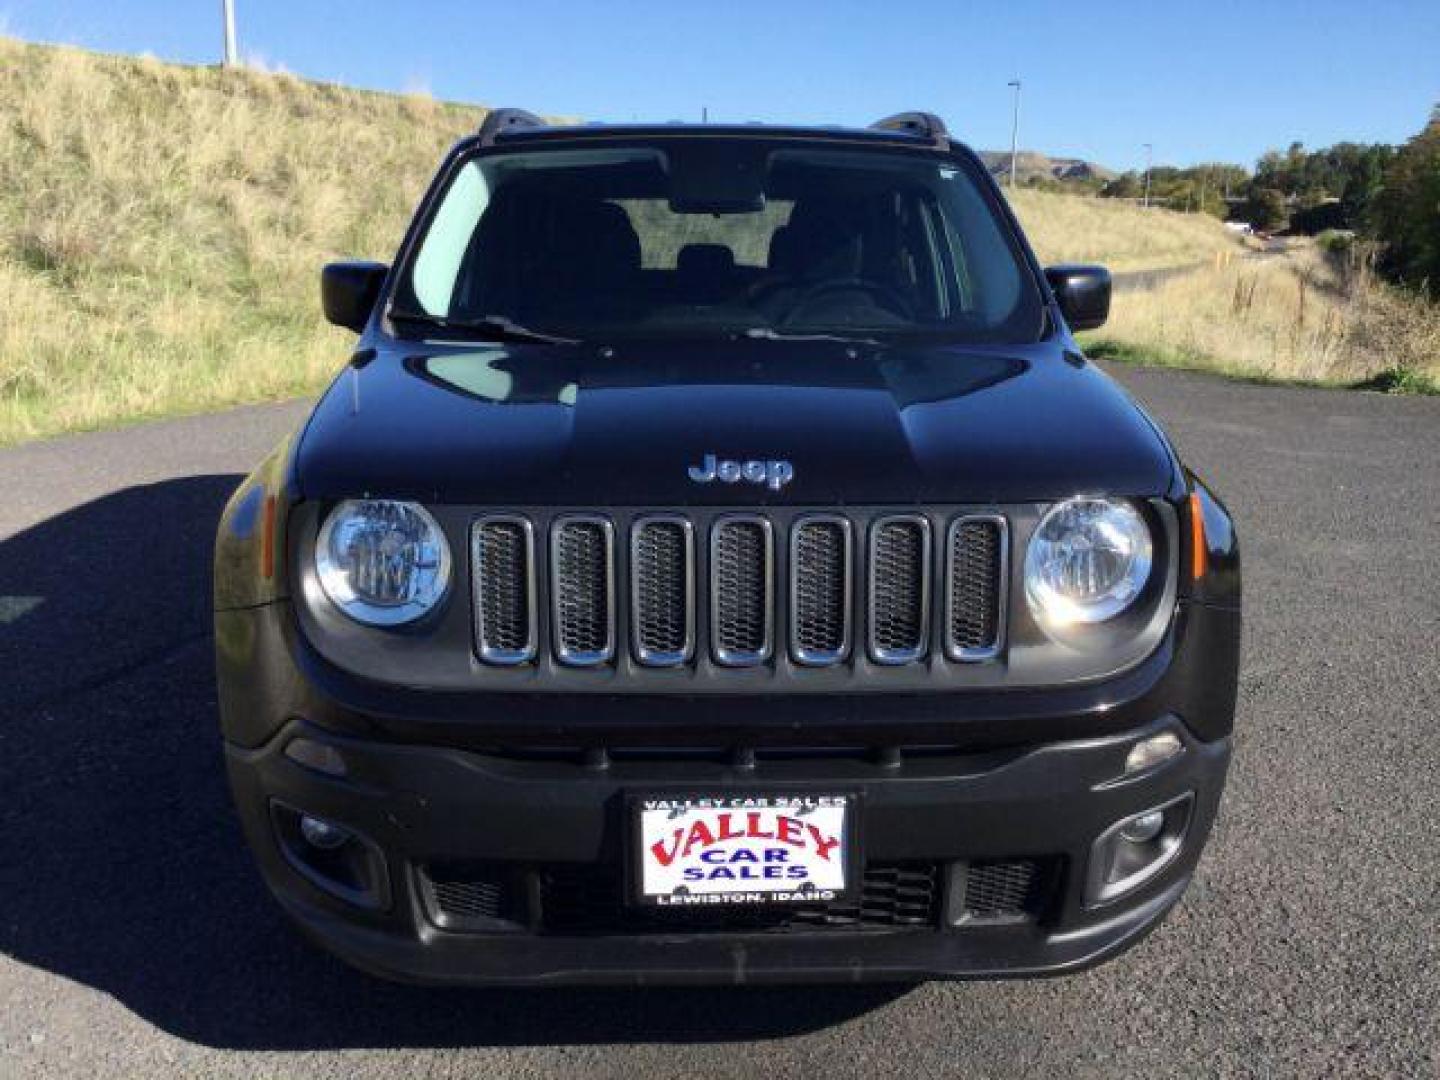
column 161, row 229
column 1073, row 228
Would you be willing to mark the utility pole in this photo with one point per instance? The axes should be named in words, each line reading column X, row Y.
column 1149, row 150
column 228, row 13
column 1014, row 131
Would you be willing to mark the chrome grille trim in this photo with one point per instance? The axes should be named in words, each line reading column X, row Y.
column 884, row 598
column 542, row 593
column 644, row 653
column 999, row 578
column 723, row 601
column 490, row 606
column 802, row 653
column 574, row 601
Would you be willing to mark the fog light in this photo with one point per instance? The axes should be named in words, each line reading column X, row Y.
column 1136, row 849
column 340, row 860
column 1144, row 828
column 322, row 834
column 1148, row 753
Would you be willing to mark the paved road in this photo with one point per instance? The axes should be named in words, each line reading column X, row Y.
column 134, row 937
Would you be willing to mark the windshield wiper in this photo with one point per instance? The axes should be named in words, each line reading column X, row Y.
column 484, row 327
column 765, row 333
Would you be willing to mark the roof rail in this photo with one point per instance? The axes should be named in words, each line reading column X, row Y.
column 926, row 125
column 499, row 121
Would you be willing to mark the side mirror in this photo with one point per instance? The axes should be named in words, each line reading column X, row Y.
column 348, row 291
column 1083, row 293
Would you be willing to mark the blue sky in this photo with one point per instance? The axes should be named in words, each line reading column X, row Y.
column 1218, row 81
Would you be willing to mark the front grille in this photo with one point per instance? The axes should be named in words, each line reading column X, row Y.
column 671, row 590
column 662, row 572
column 976, row 573
column 742, row 604
column 899, row 589
column 582, row 590
column 503, row 559
column 820, row 590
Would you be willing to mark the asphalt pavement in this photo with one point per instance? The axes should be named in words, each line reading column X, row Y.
column 136, row 940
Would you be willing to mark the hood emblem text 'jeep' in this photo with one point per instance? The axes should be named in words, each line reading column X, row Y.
column 773, row 474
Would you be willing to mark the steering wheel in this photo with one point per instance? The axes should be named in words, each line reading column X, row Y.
column 886, row 296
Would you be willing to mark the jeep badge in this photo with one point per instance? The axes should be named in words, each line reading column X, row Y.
column 773, row 474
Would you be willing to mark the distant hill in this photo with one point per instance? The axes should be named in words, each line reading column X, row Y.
column 1032, row 164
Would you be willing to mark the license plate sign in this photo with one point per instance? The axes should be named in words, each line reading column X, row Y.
column 744, row 849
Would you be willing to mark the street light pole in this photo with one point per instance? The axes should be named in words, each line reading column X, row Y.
column 1014, row 131
column 1148, row 152
column 228, row 14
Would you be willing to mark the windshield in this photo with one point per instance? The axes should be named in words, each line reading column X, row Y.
column 709, row 237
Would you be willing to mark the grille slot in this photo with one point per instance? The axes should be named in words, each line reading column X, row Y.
column 899, row 589
column 662, row 599
column 820, row 590
column 582, row 590
column 502, row 554
column 742, row 591
column 977, row 573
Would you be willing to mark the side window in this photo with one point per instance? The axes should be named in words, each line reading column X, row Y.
column 438, row 264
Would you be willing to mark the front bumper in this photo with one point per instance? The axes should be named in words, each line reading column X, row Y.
column 418, row 806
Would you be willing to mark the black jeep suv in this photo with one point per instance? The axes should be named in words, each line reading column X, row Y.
column 718, row 563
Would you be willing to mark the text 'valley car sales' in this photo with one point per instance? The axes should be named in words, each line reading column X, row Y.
column 705, row 850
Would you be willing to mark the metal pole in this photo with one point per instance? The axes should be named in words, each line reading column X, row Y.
column 228, row 11
column 1148, row 151
column 1014, row 131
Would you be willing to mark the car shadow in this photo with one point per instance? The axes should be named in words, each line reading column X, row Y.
column 121, row 863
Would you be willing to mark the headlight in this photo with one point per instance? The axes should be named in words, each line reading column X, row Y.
column 383, row 563
column 1087, row 562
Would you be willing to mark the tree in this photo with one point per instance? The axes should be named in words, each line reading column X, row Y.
column 1266, row 209
column 1406, row 211
column 1125, row 186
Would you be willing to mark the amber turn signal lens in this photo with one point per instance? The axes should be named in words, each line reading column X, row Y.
column 267, row 540
column 1199, row 551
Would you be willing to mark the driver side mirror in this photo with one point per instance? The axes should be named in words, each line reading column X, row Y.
column 348, row 291
column 1083, row 293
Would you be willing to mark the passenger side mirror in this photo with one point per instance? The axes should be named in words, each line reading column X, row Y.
column 348, row 291
column 1083, row 293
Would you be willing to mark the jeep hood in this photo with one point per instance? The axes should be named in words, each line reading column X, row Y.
column 580, row 425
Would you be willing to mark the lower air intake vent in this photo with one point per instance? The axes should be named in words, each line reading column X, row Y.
column 1001, row 891
column 662, row 554
column 899, row 589
column 742, row 601
column 502, row 559
column 582, row 590
column 977, row 569
column 820, row 590
column 590, row 900
column 472, row 896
